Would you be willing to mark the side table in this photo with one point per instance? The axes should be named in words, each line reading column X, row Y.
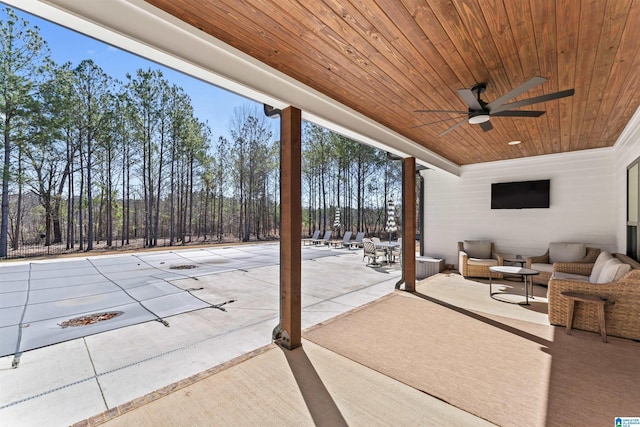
column 586, row 298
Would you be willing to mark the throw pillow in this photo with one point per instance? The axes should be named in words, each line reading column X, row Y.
column 477, row 248
column 566, row 252
column 597, row 266
column 613, row 270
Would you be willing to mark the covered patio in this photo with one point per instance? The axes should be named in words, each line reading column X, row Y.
column 365, row 70
column 369, row 367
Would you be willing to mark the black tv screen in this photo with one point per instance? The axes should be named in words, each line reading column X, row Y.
column 520, row 195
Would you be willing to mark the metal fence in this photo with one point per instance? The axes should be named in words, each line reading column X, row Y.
column 39, row 249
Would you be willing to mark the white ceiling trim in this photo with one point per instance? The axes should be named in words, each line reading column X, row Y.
column 140, row 28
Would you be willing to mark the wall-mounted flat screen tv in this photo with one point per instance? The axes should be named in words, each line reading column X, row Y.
column 520, row 195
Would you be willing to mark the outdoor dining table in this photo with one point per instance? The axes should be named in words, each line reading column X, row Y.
column 388, row 248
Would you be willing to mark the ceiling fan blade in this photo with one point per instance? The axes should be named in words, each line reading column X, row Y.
column 493, row 105
column 518, row 113
column 486, row 126
column 453, row 127
column 432, row 123
column 534, row 100
column 470, row 99
column 441, row 111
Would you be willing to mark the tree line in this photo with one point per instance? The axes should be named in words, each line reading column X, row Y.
column 89, row 159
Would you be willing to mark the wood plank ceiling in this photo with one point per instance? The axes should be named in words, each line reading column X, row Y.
column 388, row 58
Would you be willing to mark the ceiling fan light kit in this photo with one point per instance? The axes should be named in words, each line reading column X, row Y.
column 476, row 118
column 480, row 112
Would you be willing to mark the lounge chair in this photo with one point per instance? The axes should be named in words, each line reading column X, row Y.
column 357, row 242
column 325, row 240
column 345, row 242
column 315, row 236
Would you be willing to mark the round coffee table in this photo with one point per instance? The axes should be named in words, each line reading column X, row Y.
column 524, row 272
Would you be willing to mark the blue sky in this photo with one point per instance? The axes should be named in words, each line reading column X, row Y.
column 211, row 103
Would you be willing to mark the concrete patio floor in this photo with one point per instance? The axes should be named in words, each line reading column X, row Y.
column 65, row 383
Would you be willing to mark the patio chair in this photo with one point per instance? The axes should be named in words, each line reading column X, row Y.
column 311, row 239
column 370, row 251
column 357, row 242
column 397, row 251
column 346, row 239
column 476, row 256
column 325, row 240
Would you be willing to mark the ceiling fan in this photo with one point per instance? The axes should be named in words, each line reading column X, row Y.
column 480, row 112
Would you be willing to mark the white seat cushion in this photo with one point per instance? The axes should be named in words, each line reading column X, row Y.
column 477, row 248
column 566, row 252
column 561, row 275
column 613, row 270
column 484, row 262
column 548, row 268
column 597, row 266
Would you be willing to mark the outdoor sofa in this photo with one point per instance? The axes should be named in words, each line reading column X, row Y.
column 619, row 283
column 559, row 252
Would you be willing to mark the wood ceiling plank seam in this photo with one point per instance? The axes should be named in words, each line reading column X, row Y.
column 533, row 144
column 497, row 20
column 521, row 24
column 449, row 18
column 383, row 78
column 591, row 63
column 628, row 97
column 543, row 21
column 429, row 58
column 611, row 34
column 473, row 20
column 503, row 148
column 438, row 95
column 394, row 104
column 497, row 24
column 418, row 47
column 590, row 26
column 378, row 19
column 567, row 39
column 429, row 23
column 347, row 97
column 356, row 18
column 603, row 70
column 248, row 46
column 627, row 51
column 385, row 56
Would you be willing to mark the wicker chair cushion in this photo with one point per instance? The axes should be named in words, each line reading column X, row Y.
column 566, row 252
column 480, row 249
column 483, row 262
column 561, row 275
column 597, row 266
column 542, row 267
column 613, row 270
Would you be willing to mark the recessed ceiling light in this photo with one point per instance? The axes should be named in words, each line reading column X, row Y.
column 514, row 142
